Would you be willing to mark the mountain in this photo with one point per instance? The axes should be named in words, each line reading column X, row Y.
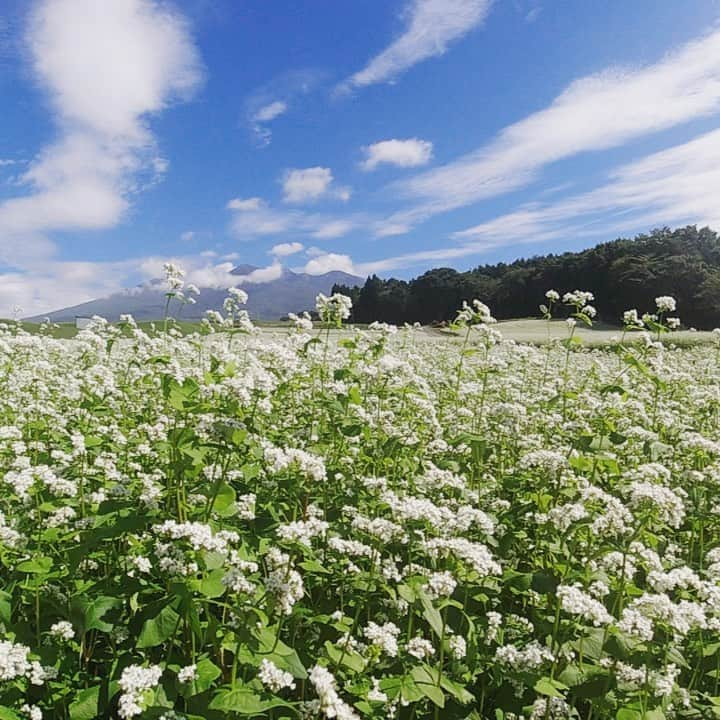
column 273, row 300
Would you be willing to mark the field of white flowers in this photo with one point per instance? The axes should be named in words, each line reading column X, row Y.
column 232, row 525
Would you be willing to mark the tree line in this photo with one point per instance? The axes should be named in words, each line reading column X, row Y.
column 622, row 274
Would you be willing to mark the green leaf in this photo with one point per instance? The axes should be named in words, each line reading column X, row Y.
column 628, row 714
column 5, row 607
column 244, row 702
column 211, row 585
column 426, row 679
column 224, row 499
column 85, row 704
column 7, row 714
column 312, row 566
column 207, row 673
column 281, row 654
column 40, row 565
column 157, row 630
column 349, row 658
column 549, row 687
column 432, row 615
column 88, row 616
column 463, row 696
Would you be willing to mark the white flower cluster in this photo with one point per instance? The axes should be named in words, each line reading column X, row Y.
column 665, row 303
column 474, row 554
column 283, row 582
column 335, row 308
column 331, row 704
column 526, row 659
column 303, row 531
column 383, row 637
column 199, row 535
column 273, row 678
column 134, row 681
column 188, row 674
column 574, row 600
column 62, row 630
column 668, row 503
column 279, row 459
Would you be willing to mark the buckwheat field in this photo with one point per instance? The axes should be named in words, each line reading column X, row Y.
column 371, row 524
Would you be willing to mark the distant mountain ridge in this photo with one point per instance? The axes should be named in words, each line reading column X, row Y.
column 271, row 300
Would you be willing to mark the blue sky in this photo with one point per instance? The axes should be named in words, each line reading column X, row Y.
column 364, row 135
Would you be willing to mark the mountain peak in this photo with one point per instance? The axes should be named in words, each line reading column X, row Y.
column 243, row 269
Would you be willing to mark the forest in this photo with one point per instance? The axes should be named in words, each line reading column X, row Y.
column 623, row 274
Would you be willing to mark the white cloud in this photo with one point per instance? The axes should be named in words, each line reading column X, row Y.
column 431, row 25
column 285, row 249
column 204, row 275
column 274, row 99
column 311, row 184
column 107, row 68
column 678, row 185
column 4, row 163
column 594, row 113
column 253, row 203
column 55, row 284
column 270, row 111
column 187, row 236
column 261, row 275
column 333, row 229
column 207, row 274
column 390, row 228
column 675, row 186
column 402, row 153
column 330, row 261
column 261, row 220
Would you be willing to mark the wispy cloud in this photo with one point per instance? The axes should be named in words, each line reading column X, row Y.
column 401, row 153
column 311, row 184
column 674, row 186
column 270, row 111
column 594, row 113
column 244, row 205
column 274, row 99
column 430, row 27
column 677, row 185
column 254, row 218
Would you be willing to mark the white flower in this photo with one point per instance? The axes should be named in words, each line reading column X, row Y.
column 273, row 678
column 420, row 648
column 458, row 646
column 331, row 705
column 13, row 660
column 134, row 681
column 335, row 308
column 577, row 602
column 62, row 630
column 383, row 636
column 665, row 303
column 187, row 674
column 375, row 694
column 33, row 711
